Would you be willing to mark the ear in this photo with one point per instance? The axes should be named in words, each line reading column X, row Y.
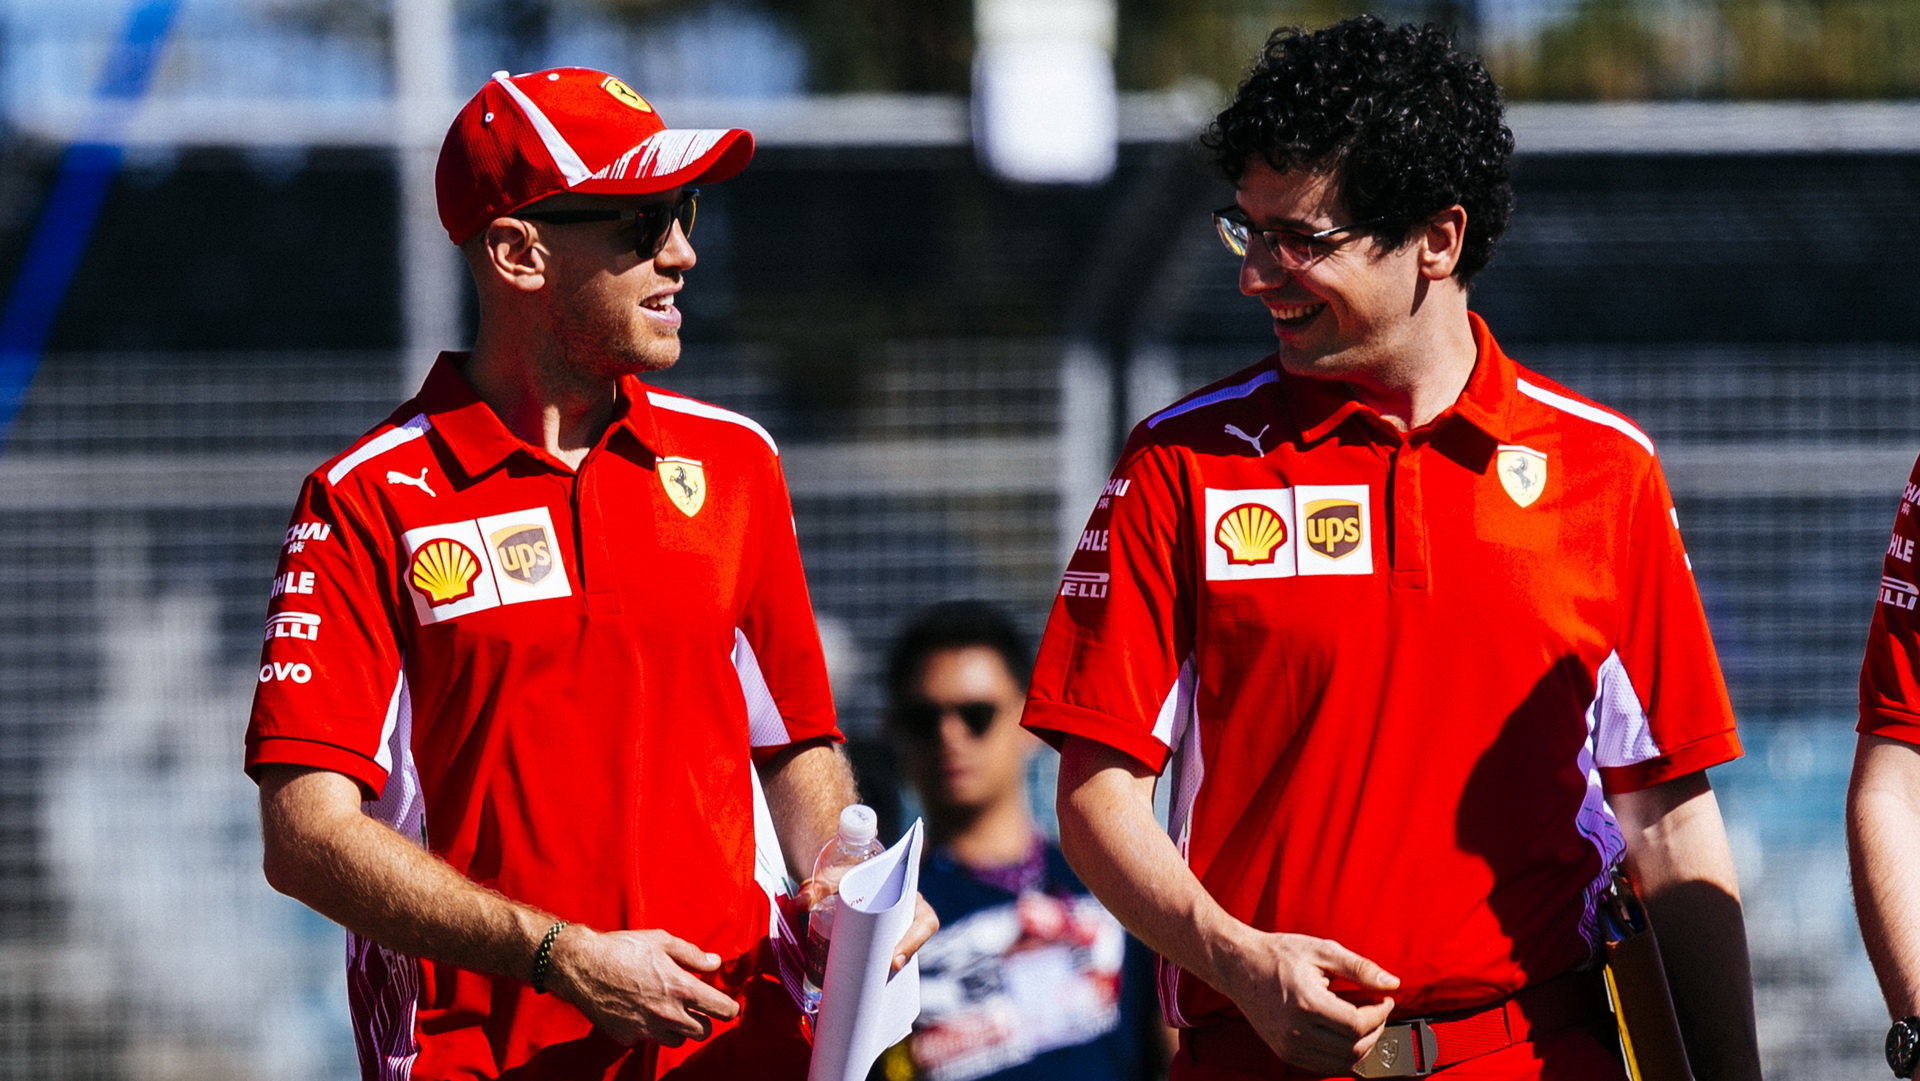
column 1441, row 242
column 511, row 254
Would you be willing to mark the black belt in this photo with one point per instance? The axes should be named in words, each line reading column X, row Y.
column 1417, row 1046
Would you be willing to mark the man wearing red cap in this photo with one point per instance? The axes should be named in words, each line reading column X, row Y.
column 540, row 641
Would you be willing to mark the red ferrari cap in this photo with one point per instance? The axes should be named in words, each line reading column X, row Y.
column 525, row 137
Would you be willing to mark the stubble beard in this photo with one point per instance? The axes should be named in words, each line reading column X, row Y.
column 656, row 356
column 608, row 353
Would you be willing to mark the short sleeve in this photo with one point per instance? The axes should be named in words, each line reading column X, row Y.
column 1889, row 689
column 1661, row 709
column 330, row 690
column 1121, row 628
column 777, row 652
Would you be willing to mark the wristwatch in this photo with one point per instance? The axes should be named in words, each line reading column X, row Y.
column 1903, row 1046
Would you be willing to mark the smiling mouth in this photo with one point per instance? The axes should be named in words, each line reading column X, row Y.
column 662, row 303
column 1294, row 313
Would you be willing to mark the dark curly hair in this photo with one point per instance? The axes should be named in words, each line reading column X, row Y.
column 1408, row 123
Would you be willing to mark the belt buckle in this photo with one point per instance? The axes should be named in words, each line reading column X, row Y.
column 1407, row 1049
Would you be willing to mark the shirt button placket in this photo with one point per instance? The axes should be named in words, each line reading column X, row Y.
column 590, row 540
column 1407, row 545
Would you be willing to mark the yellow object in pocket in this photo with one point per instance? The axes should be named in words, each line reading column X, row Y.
column 1637, row 989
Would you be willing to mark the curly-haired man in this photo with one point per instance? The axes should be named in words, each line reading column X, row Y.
column 1409, row 626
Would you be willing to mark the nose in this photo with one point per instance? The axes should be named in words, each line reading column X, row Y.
column 677, row 252
column 1260, row 271
column 954, row 732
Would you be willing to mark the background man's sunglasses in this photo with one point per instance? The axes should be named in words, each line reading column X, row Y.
column 921, row 720
column 652, row 224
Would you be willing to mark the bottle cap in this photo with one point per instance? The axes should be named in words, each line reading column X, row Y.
column 859, row 824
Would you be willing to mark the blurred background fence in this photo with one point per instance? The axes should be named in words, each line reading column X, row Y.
column 1717, row 206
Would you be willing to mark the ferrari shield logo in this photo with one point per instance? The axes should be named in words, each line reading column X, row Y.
column 625, row 94
column 685, row 481
column 1523, row 473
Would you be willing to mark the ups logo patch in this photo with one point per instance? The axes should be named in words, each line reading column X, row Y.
column 524, row 552
column 1334, row 527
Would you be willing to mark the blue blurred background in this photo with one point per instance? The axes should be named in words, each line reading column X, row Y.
column 973, row 249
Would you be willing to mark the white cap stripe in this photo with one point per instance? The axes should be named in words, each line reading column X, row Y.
column 673, row 150
column 563, row 153
column 618, row 168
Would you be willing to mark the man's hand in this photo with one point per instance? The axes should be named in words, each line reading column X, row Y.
column 925, row 923
column 807, row 785
column 1281, row 983
column 320, row 848
column 638, row 985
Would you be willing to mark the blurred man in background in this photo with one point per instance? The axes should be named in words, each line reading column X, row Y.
column 1413, row 626
column 532, row 636
column 1029, row 977
column 1883, row 801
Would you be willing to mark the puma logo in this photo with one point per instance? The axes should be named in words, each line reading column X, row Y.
column 419, row 482
column 1234, row 430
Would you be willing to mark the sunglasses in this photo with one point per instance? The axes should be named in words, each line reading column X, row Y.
column 921, row 720
column 652, row 224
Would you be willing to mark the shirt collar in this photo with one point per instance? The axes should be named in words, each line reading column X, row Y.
column 1487, row 401
column 1321, row 405
column 478, row 439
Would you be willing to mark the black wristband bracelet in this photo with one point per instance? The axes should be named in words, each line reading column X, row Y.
column 543, row 957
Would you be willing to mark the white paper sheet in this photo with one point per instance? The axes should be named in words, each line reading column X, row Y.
column 863, row 1008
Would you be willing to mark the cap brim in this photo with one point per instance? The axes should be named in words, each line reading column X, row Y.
column 674, row 158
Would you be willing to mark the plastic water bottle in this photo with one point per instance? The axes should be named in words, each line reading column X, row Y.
column 857, row 842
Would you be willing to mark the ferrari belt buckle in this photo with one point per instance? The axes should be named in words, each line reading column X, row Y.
column 1406, row 1049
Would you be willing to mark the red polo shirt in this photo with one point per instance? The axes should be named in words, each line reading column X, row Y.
column 1395, row 673
column 1890, row 674
column 555, row 679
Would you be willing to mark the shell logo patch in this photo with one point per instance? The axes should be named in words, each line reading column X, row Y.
column 685, row 482
column 1333, row 527
column 524, row 552
column 625, row 94
column 1523, row 473
column 444, row 570
column 1251, row 533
